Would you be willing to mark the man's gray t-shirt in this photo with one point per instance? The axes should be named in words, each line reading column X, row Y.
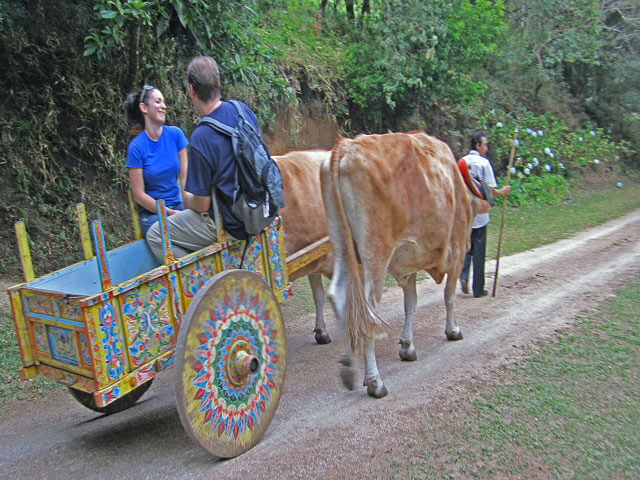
column 480, row 168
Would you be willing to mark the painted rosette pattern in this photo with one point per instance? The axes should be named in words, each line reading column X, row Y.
column 232, row 365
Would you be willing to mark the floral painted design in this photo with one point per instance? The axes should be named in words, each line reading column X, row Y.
column 231, row 405
column 148, row 326
column 111, row 342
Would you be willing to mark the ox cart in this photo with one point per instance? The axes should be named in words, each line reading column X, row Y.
column 106, row 326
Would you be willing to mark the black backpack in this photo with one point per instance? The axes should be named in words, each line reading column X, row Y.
column 258, row 195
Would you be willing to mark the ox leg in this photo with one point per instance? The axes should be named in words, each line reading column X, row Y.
column 452, row 331
column 407, row 348
column 372, row 379
column 317, row 289
column 337, row 296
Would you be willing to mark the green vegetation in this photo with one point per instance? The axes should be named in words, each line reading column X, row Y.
column 11, row 386
column 567, row 409
column 565, row 68
column 540, row 224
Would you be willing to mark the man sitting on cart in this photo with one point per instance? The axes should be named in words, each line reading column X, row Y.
column 212, row 169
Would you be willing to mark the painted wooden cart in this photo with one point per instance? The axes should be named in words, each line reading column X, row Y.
column 106, row 326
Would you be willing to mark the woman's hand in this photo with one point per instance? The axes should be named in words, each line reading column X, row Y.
column 170, row 211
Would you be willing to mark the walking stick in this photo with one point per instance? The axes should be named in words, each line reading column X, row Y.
column 513, row 151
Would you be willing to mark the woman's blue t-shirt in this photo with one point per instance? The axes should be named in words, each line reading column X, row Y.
column 160, row 164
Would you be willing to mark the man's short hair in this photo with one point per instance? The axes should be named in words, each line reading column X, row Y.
column 203, row 75
column 476, row 138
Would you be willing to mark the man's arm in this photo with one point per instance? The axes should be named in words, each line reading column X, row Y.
column 197, row 203
column 501, row 191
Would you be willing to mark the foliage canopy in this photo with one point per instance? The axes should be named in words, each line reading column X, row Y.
column 371, row 66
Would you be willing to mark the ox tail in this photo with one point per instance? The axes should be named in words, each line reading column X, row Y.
column 361, row 322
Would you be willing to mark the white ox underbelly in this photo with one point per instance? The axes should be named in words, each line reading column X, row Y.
column 410, row 256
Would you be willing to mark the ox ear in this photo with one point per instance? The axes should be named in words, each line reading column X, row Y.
column 479, row 206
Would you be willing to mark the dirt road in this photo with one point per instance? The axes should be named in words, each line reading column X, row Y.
column 321, row 430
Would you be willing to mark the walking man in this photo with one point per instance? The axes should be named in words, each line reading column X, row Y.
column 480, row 168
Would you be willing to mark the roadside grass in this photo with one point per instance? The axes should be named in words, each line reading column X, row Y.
column 11, row 385
column 525, row 228
column 301, row 302
column 539, row 224
column 567, row 408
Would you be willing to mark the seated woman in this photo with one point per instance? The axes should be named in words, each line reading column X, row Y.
column 156, row 158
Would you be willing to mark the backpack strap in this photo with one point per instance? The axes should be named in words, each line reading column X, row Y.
column 216, row 125
column 239, row 109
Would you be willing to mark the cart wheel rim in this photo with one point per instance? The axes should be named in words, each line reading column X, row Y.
column 230, row 363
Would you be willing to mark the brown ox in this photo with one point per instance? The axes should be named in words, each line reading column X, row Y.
column 305, row 222
column 395, row 203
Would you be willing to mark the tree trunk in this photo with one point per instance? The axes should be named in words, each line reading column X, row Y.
column 366, row 8
column 350, row 14
column 134, row 54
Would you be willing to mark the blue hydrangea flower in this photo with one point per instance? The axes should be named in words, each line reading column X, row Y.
column 552, row 155
column 561, row 165
column 547, row 167
column 547, row 150
column 619, row 184
column 529, row 165
column 513, row 170
column 527, row 171
column 593, row 132
column 499, row 124
column 536, row 161
column 540, row 132
column 596, row 161
column 581, row 139
column 517, row 142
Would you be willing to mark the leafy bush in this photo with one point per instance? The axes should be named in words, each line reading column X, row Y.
column 67, row 66
column 64, row 132
column 409, row 54
column 544, row 144
column 546, row 154
column 227, row 31
column 530, row 189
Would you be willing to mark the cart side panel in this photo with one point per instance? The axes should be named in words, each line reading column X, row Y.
column 57, row 332
column 107, row 342
column 178, row 311
column 148, row 321
column 78, row 382
column 195, row 274
column 275, row 259
column 253, row 258
column 25, row 344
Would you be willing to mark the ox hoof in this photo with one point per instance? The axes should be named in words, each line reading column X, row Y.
column 322, row 337
column 407, row 352
column 376, row 391
column 455, row 335
column 347, row 373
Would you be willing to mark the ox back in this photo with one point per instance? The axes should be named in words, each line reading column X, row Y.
column 395, row 203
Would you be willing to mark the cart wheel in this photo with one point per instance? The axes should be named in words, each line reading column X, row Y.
column 120, row 404
column 230, row 362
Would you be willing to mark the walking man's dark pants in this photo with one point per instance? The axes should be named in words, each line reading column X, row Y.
column 477, row 253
